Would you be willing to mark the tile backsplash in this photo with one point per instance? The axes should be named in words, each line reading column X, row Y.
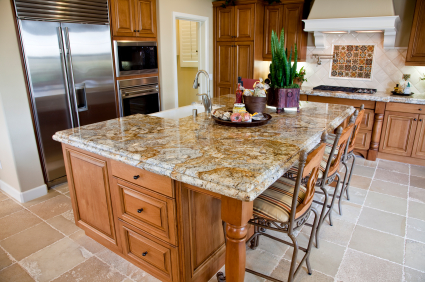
column 387, row 68
column 352, row 61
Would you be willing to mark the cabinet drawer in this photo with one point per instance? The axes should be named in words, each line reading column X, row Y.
column 342, row 101
column 148, row 253
column 408, row 108
column 146, row 210
column 158, row 183
column 363, row 139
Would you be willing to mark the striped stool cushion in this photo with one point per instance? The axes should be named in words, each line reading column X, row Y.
column 275, row 203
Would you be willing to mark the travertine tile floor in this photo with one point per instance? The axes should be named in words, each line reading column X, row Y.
column 379, row 237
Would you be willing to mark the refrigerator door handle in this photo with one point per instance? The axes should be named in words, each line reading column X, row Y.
column 64, row 70
column 71, row 76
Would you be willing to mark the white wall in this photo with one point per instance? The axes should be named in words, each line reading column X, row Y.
column 18, row 149
column 165, row 41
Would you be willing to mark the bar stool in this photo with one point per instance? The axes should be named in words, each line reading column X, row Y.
column 273, row 210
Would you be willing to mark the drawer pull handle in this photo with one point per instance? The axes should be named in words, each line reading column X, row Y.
column 420, row 109
column 139, row 210
column 144, row 254
column 136, row 177
column 415, row 119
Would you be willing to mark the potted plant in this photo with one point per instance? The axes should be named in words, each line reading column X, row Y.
column 300, row 77
column 283, row 93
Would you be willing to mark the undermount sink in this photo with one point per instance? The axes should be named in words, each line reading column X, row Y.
column 182, row 112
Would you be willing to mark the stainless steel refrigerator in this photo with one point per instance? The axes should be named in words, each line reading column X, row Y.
column 70, row 75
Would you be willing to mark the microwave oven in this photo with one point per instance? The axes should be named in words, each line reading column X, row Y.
column 135, row 57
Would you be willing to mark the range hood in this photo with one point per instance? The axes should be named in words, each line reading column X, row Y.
column 345, row 16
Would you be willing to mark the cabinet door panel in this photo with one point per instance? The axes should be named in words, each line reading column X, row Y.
column 416, row 50
column 292, row 15
column 419, row 146
column 224, row 63
column 398, row 133
column 363, row 139
column 122, row 18
column 145, row 18
column 244, row 22
column 225, row 22
column 224, row 90
column 272, row 21
column 244, row 60
column 367, row 122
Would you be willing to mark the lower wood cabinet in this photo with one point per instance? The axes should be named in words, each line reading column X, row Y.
column 419, row 144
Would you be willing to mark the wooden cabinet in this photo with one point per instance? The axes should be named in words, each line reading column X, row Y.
column 288, row 17
column 88, row 181
column 416, row 49
column 243, row 60
column 398, row 133
column 235, row 23
column 133, row 18
column 419, row 144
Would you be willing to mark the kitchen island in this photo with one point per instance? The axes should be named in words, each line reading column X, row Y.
column 155, row 190
column 393, row 126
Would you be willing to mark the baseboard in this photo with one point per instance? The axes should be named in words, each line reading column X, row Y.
column 26, row 196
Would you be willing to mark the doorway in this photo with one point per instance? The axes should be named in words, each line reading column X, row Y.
column 191, row 54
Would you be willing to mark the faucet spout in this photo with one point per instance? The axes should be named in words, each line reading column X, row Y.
column 206, row 98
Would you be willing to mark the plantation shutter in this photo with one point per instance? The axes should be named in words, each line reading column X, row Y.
column 188, row 32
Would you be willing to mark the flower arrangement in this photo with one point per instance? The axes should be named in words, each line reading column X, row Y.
column 282, row 74
column 300, row 76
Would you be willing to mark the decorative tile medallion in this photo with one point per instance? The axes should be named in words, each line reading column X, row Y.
column 352, row 61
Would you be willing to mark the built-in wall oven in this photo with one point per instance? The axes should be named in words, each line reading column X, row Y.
column 139, row 96
column 135, row 57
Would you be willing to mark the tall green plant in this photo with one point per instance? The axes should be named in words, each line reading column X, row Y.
column 281, row 71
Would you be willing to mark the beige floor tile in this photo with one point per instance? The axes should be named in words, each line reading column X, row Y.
column 383, row 221
column 417, row 170
column 418, row 194
column 326, row 259
column 415, row 255
column 392, row 176
column 261, row 261
column 389, row 188
column 272, row 246
column 52, row 207
column 3, row 196
column 62, row 188
column 15, row 273
column 418, row 182
column 88, row 243
column 55, row 260
column 117, row 262
column 386, row 203
column 5, row 260
column 17, row 222
column 9, row 206
column 282, row 271
column 91, row 270
column 50, row 194
column 363, row 171
column 357, row 196
column 394, row 166
column 411, row 275
column 378, row 244
column 358, row 266
column 360, row 182
column 416, row 229
column 350, row 212
column 63, row 225
column 416, row 210
column 143, row 276
column 364, row 162
column 69, row 214
column 339, row 233
column 30, row 240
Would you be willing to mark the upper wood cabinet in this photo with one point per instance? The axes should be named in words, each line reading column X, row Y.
column 419, row 144
column 416, row 50
column 235, row 23
column 133, row 18
column 288, row 17
column 224, row 20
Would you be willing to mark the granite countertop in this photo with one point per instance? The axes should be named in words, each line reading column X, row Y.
column 237, row 162
column 378, row 96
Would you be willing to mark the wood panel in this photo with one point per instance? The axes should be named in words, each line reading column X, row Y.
column 398, row 133
column 224, row 63
column 292, row 16
column 203, row 238
column 145, row 18
column 416, row 49
column 148, row 253
column 244, row 22
column 244, row 60
column 419, row 144
column 342, row 101
column 368, row 118
column 407, row 108
column 90, row 194
column 158, row 183
column 225, row 24
column 122, row 18
column 363, row 139
column 145, row 209
column 224, row 89
column 402, row 159
column 272, row 21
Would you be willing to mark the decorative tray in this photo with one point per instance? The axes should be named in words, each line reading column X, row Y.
column 401, row 94
column 243, row 124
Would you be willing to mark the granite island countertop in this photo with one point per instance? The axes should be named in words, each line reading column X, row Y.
column 237, row 162
column 378, row 96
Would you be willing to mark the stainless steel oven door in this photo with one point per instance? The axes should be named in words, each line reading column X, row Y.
column 140, row 100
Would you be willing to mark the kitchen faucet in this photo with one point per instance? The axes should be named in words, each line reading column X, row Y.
column 206, row 99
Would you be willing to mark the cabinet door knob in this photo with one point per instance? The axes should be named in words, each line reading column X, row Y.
column 134, row 30
column 415, row 119
column 420, row 120
column 139, row 210
column 136, row 177
column 420, row 109
column 144, row 254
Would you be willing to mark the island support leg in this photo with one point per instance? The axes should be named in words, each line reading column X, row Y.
column 236, row 214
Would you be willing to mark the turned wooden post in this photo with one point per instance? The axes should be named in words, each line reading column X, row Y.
column 236, row 214
column 376, row 131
